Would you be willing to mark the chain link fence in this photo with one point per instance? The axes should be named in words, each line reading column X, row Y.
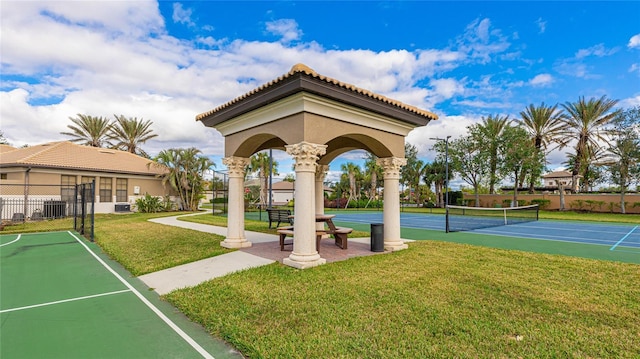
column 41, row 208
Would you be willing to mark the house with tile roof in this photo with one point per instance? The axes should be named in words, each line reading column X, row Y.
column 50, row 171
column 552, row 179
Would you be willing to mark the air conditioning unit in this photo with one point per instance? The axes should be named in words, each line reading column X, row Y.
column 123, row 207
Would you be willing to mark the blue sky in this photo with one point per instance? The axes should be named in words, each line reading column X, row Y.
column 168, row 61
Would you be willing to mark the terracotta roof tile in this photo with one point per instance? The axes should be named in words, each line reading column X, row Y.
column 301, row 68
column 72, row 156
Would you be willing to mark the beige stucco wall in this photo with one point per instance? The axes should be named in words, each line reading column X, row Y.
column 13, row 186
column 340, row 137
column 571, row 201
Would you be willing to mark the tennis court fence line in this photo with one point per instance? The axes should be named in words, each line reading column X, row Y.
column 47, row 207
column 463, row 218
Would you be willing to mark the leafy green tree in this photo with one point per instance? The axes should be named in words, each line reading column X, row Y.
column 129, row 133
column 624, row 153
column 89, row 130
column 470, row 161
column 185, row 173
column 488, row 133
column 259, row 164
column 584, row 123
column 518, row 155
column 545, row 126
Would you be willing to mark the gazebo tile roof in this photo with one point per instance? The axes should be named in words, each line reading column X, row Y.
column 301, row 68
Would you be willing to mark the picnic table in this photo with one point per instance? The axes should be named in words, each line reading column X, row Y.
column 339, row 233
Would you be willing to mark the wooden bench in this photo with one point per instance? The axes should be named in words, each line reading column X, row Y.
column 285, row 232
column 340, row 235
column 279, row 216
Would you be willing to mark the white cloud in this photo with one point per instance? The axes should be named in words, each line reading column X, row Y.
column 635, row 68
column 542, row 25
column 597, row 50
column 630, row 102
column 480, row 42
column 286, row 28
column 634, row 42
column 541, row 80
column 182, row 15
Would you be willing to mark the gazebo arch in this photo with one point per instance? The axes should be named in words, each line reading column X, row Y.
column 314, row 119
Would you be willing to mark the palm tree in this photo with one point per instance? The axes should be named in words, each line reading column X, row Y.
column 584, row 123
column 545, row 125
column 185, row 173
column 260, row 163
column 130, row 133
column 489, row 132
column 353, row 171
column 89, row 130
column 374, row 174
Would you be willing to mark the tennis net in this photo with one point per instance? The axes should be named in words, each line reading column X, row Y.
column 460, row 218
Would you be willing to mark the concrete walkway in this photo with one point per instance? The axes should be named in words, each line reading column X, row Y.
column 191, row 274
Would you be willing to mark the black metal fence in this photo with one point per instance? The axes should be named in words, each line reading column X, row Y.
column 47, row 208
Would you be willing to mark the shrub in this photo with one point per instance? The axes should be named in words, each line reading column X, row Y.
column 542, row 203
column 150, row 204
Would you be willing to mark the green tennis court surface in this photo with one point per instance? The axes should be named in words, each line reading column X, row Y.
column 59, row 299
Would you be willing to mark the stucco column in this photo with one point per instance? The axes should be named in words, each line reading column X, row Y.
column 304, row 254
column 391, row 208
column 321, row 173
column 235, row 217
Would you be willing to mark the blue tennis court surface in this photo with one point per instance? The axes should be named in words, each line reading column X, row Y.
column 620, row 237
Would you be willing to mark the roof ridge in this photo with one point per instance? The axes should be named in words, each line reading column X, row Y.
column 304, row 69
column 47, row 147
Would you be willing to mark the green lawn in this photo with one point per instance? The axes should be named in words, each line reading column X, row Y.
column 435, row 299
column 144, row 247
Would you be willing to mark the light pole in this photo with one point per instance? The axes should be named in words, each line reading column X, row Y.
column 446, row 178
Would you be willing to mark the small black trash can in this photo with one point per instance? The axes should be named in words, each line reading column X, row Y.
column 377, row 237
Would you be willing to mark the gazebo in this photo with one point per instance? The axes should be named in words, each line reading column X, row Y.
column 313, row 118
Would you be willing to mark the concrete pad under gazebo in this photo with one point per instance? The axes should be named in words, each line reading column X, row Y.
column 313, row 118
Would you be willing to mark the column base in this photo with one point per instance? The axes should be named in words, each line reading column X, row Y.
column 235, row 243
column 304, row 262
column 395, row 245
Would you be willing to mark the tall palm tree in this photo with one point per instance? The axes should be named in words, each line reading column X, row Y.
column 434, row 173
column 374, row 174
column 489, row 131
column 259, row 163
column 353, row 171
column 185, row 173
column 584, row 121
column 130, row 133
column 545, row 125
column 89, row 130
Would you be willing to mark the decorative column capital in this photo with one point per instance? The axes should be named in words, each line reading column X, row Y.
column 235, row 165
column 306, row 155
column 391, row 166
column 321, row 172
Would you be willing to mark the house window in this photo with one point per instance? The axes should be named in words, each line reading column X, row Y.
column 86, row 179
column 121, row 190
column 105, row 190
column 3, row 176
column 67, row 188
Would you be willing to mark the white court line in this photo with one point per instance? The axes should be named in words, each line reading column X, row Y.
column 13, row 241
column 623, row 238
column 153, row 308
column 64, row 301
